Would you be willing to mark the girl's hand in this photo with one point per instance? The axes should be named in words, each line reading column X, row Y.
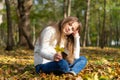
column 58, row 57
column 75, row 33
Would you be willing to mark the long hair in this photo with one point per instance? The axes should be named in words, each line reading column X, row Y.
column 70, row 39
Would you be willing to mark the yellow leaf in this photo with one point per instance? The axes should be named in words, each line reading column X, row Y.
column 109, row 69
column 104, row 77
column 59, row 49
column 96, row 76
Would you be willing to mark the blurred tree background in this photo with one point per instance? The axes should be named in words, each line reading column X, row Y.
column 22, row 20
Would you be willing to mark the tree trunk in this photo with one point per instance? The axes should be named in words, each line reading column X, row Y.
column 117, row 33
column 65, row 8
column 1, row 20
column 33, row 31
column 1, row 8
column 86, row 23
column 103, row 28
column 98, row 29
column 69, row 7
column 10, row 42
column 88, row 37
column 24, row 7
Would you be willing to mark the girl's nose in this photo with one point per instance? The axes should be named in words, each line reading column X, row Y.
column 68, row 28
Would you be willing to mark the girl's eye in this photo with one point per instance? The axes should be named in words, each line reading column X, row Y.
column 70, row 24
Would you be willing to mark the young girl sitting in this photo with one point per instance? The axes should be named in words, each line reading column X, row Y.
column 64, row 34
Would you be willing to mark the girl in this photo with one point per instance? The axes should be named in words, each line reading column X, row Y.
column 64, row 34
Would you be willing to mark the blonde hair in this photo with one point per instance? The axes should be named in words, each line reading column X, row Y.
column 69, row 38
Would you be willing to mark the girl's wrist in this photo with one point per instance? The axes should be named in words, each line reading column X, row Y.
column 77, row 36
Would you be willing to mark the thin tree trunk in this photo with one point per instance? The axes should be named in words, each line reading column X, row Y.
column 1, row 20
column 65, row 8
column 69, row 7
column 86, row 23
column 117, row 33
column 98, row 29
column 34, row 34
column 111, row 30
column 10, row 42
column 103, row 28
column 88, row 37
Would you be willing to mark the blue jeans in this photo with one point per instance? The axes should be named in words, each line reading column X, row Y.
column 62, row 66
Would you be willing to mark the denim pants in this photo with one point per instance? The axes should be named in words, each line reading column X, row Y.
column 62, row 66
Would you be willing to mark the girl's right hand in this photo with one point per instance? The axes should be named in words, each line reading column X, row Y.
column 57, row 57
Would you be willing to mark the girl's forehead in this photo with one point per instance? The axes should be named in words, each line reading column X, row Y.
column 75, row 23
column 72, row 22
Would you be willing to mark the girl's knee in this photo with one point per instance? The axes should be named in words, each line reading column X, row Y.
column 63, row 65
column 83, row 58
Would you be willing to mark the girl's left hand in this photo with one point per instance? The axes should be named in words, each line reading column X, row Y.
column 57, row 57
column 75, row 34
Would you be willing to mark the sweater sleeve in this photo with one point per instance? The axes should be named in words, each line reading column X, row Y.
column 46, row 50
column 77, row 47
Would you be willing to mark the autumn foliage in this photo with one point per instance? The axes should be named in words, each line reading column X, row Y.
column 103, row 64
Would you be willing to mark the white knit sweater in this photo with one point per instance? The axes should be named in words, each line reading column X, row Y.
column 44, row 52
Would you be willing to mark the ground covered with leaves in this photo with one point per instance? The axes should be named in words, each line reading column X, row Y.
column 103, row 64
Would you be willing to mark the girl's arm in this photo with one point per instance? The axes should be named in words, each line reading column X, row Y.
column 46, row 50
column 76, row 45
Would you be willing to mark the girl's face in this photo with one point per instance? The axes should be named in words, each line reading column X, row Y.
column 70, row 27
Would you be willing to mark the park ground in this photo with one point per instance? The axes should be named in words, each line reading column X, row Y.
column 103, row 64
